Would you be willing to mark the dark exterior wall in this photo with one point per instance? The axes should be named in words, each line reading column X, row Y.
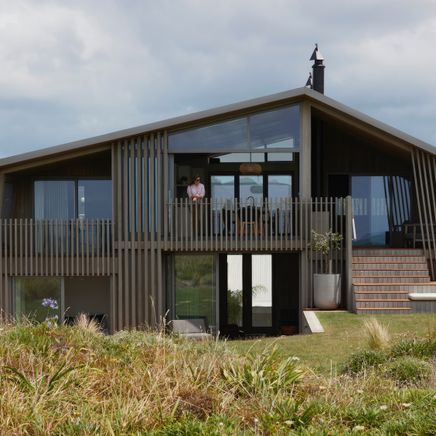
column 338, row 150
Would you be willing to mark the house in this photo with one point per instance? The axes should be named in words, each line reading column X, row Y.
column 104, row 225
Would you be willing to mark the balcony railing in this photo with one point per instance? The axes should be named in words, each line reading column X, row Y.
column 283, row 224
column 55, row 247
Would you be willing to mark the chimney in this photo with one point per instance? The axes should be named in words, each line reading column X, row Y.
column 318, row 70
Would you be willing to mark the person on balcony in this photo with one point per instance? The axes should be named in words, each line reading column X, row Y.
column 196, row 193
column 196, row 189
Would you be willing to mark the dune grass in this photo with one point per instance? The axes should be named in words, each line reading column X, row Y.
column 344, row 334
column 75, row 380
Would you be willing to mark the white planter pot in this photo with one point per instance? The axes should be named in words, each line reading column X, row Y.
column 327, row 290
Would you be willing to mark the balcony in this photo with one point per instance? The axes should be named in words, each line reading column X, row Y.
column 232, row 225
column 92, row 247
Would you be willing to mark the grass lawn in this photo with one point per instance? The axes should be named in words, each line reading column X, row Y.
column 343, row 335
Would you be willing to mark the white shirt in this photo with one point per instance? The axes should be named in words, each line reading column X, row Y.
column 196, row 190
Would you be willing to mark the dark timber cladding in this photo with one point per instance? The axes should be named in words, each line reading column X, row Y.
column 424, row 171
column 139, row 194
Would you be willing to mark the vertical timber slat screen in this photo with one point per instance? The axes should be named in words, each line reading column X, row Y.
column 138, row 174
column 424, row 172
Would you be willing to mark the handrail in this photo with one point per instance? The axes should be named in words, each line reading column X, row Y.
column 229, row 224
column 55, row 247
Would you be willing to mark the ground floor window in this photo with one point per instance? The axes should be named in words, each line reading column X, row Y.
column 30, row 293
column 195, row 287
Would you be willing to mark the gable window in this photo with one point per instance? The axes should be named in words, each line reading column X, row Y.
column 70, row 199
column 276, row 130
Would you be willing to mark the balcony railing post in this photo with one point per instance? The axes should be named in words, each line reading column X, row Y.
column 349, row 252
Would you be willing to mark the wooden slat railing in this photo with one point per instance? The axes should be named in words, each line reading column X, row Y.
column 216, row 224
column 55, row 247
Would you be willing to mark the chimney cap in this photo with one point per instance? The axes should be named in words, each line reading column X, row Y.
column 316, row 55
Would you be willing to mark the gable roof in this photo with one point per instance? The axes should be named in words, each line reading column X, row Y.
column 294, row 95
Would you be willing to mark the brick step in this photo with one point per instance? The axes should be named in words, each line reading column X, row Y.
column 377, row 302
column 381, row 297
column 384, row 300
column 376, row 291
column 383, row 310
column 395, row 287
column 391, row 279
column 389, row 259
column 390, row 273
column 382, row 266
column 387, row 252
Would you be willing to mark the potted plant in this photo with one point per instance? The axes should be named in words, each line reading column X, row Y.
column 326, row 286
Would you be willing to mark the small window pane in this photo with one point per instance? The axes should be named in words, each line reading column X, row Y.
column 241, row 157
column 279, row 186
column 280, row 157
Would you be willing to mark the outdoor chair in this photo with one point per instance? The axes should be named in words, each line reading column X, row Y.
column 193, row 328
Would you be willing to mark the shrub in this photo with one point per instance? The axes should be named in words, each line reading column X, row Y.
column 262, row 373
column 377, row 334
column 365, row 359
column 422, row 348
column 409, row 369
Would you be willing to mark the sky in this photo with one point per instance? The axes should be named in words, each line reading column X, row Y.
column 74, row 69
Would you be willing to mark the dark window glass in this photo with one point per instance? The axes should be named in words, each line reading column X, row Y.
column 94, row 199
column 54, row 199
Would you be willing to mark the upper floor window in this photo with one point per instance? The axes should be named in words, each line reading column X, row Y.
column 69, row 199
column 274, row 130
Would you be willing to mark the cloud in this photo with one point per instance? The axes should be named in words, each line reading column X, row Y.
column 75, row 69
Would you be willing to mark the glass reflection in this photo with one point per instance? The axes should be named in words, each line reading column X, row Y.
column 251, row 190
column 195, row 287
column 94, row 199
column 279, row 186
column 54, row 199
column 234, row 289
column 261, row 295
column 274, row 129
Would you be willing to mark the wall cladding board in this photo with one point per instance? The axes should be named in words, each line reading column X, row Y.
column 139, row 197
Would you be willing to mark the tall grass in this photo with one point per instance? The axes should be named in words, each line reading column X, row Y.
column 74, row 380
column 377, row 334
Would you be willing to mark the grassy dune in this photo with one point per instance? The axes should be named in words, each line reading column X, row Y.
column 74, row 380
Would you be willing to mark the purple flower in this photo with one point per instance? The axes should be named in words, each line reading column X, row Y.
column 50, row 303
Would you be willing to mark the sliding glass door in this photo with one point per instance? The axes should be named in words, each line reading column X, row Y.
column 70, row 199
column 248, row 299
